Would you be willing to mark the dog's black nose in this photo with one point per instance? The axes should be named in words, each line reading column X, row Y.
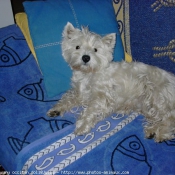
column 86, row 58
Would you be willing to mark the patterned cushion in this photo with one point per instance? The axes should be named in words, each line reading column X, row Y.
column 148, row 31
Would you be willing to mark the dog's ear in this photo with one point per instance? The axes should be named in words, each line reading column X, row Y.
column 68, row 30
column 110, row 40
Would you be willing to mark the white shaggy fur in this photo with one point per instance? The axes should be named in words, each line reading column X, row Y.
column 104, row 87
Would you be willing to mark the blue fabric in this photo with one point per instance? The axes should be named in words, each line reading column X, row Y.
column 23, row 98
column 116, row 145
column 149, row 29
column 46, row 22
column 64, row 146
column 128, row 152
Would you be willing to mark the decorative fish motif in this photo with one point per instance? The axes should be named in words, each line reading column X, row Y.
column 130, row 148
column 67, row 151
column 48, row 161
column 87, row 138
column 105, row 127
column 11, row 54
column 117, row 116
column 34, row 91
column 17, row 144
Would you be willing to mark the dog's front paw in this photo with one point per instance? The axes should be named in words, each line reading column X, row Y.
column 163, row 137
column 81, row 131
column 53, row 113
column 149, row 133
column 57, row 110
column 158, row 134
column 82, row 127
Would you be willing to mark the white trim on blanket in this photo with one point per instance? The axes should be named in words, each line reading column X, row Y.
column 47, row 150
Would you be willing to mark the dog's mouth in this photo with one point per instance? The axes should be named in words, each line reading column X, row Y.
column 84, row 67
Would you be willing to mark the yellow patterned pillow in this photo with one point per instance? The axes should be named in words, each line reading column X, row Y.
column 119, row 17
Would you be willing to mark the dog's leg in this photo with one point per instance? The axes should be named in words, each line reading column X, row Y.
column 66, row 103
column 162, row 130
column 95, row 112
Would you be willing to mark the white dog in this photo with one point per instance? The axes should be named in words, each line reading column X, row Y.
column 105, row 87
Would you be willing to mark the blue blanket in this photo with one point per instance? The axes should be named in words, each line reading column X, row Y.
column 115, row 146
column 23, row 99
column 35, row 144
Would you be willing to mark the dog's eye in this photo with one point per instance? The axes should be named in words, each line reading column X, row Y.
column 77, row 47
column 95, row 50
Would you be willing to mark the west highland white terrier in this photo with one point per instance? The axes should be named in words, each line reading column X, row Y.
column 105, row 87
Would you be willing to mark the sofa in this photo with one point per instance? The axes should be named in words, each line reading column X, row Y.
column 34, row 76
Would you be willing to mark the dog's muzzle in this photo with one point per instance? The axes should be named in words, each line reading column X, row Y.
column 86, row 58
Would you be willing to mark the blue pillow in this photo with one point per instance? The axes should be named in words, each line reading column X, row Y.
column 46, row 22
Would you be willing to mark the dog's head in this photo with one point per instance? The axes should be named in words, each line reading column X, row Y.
column 86, row 51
